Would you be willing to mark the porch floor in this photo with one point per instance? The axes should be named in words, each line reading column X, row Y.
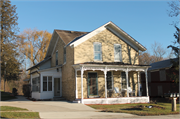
column 118, row 100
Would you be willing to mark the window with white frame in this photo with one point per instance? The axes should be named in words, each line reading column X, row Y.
column 35, row 84
column 56, row 57
column 162, row 74
column 97, row 51
column 117, row 53
column 109, row 80
column 47, row 83
column 64, row 54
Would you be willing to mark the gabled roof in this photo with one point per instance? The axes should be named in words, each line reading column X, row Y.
column 114, row 29
column 65, row 35
column 162, row 64
column 68, row 36
column 43, row 61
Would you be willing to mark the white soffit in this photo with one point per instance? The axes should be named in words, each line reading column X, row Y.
column 89, row 35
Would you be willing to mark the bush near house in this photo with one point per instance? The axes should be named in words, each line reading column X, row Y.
column 7, row 96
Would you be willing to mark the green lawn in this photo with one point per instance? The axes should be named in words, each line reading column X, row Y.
column 138, row 109
column 20, row 115
column 6, row 96
column 9, row 108
column 10, row 112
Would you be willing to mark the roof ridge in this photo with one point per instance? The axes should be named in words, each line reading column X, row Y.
column 69, row 30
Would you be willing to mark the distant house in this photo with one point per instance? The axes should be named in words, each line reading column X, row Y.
column 91, row 67
column 159, row 81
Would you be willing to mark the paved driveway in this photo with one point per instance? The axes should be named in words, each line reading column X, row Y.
column 63, row 109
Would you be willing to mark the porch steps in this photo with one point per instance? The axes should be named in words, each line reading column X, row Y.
column 77, row 101
column 59, row 99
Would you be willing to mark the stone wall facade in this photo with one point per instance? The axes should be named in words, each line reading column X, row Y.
column 116, row 77
column 84, row 52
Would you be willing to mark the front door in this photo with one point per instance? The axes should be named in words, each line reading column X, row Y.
column 92, row 84
column 57, row 86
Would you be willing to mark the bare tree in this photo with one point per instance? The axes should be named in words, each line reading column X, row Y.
column 158, row 51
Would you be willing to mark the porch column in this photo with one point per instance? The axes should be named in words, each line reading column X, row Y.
column 127, row 82
column 82, row 71
column 138, row 85
column 105, row 72
column 146, row 82
column 76, row 93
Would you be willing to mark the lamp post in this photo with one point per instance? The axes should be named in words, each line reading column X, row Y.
column 174, row 97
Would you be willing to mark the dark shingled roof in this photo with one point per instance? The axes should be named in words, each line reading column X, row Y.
column 68, row 36
column 162, row 64
column 43, row 61
column 111, row 63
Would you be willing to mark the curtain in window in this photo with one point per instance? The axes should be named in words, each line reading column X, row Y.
column 97, row 51
column 117, row 52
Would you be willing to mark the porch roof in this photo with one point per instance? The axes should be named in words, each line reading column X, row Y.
column 110, row 66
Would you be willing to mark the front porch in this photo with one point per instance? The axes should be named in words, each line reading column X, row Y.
column 109, row 84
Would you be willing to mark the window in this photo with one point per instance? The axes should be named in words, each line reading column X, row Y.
column 44, row 83
column 64, row 54
column 117, row 53
column 162, row 75
column 35, row 84
column 123, row 80
column 109, row 80
column 56, row 57
column 97, row 51
column 47, row 83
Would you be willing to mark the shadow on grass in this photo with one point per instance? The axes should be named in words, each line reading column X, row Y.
column 132, row 109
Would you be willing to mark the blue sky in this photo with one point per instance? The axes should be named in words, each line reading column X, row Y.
column 145, row 21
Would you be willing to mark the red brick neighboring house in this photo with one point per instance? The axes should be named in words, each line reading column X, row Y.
column 159, row 81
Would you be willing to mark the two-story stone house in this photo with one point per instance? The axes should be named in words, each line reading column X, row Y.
column 103, row 64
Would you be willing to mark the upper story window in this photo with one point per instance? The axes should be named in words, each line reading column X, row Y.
column 117, row 53
column 97, row 51
column 56, row 57
column 64, row 54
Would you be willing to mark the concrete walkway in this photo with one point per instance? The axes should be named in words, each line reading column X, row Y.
column 63, row 109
